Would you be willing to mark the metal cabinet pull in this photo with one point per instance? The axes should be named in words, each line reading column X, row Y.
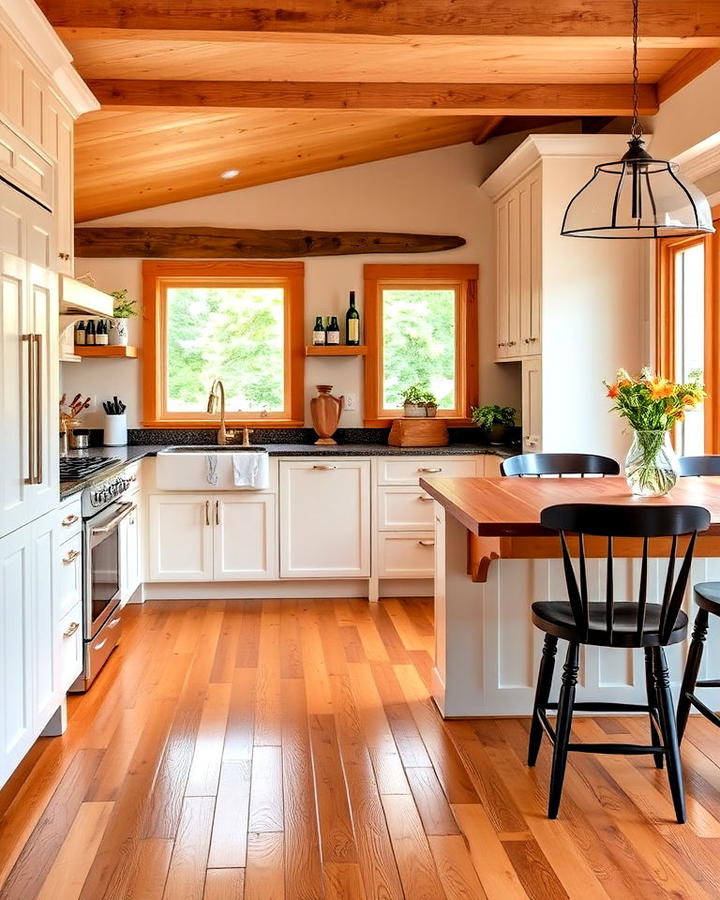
column 430, row 470
column 114, row 623
column 207, row 512
column 426, row 543
column 69, row 520
column 32, row 421
column 425, row 499
column 511, row 343
column 71, row 557
column 218, row 520
column 100, row 645
column 324, row 468
column 38, row 409
column 71, row 630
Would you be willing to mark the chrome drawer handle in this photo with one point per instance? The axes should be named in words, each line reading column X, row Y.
column 71, row 557
column 324, row 468
column 100, row 645
column 425, row 499
column 207, row 512
column 114, row 623
column 69, row 520
column 426, row 543
column 430, row 470
column 71, row 630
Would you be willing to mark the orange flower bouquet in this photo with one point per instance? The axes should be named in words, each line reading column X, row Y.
column 652, row 405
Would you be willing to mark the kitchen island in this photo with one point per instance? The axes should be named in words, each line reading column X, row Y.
column 494, row 559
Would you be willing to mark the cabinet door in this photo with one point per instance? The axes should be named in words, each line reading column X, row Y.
column 325, row 518
column 245, row 537
column 46, row 562
column 513, row 251
column 16, row 725
column 532, row 404
column 502, row 236
column 131, row 563
column 65, row 260
column 529, row 250
column 181, row 537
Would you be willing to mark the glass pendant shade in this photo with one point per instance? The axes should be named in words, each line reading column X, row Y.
column 637, row 197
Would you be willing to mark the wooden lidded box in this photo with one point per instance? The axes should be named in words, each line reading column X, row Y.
column 418, row 433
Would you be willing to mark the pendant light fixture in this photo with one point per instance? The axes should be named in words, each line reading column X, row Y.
column 637, row 196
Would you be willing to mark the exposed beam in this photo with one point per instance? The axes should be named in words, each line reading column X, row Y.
column 684, row 71
column 189, row 242
column 466, row 99
column 487, row 130
column 660, row 18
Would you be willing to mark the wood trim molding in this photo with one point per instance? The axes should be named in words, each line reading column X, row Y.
column 686, row 70
column 157, row 274
column 465, row 279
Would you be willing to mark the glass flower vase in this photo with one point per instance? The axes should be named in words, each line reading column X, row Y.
column 651, row 466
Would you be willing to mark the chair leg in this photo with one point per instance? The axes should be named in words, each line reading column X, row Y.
column 652, row 703
column 542, row 694
column 692, row 667
column 562, row 728
column 667, row 721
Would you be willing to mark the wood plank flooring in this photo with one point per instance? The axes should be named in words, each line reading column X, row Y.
column 290, row 749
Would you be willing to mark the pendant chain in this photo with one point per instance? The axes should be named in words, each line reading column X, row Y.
column 636, row 129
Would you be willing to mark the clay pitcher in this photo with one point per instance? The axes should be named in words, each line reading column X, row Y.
column 325, row 411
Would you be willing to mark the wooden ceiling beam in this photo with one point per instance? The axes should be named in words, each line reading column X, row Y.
column 489, row 127
column 683, row 72
column 590, row 18
column 465, row 99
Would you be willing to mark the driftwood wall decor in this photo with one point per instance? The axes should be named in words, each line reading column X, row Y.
column 190, row 242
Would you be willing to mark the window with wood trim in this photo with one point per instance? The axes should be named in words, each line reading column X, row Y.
column 687, row 336
column 241, row 322
column 421, row 328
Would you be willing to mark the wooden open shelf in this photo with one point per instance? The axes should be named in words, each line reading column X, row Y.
column 335, row 350
column 104, row 352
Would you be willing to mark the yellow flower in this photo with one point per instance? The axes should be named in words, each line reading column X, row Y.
column 660, row 387
column 689, row 400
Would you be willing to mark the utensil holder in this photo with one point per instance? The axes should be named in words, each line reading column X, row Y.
column 115, row 431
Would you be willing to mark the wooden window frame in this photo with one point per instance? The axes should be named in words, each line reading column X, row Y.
column 158, row 276
column 426, row 275
column 667, row 250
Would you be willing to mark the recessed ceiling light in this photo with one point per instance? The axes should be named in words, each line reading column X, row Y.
column 230, row 173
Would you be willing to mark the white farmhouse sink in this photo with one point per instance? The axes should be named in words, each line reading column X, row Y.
column 208, row 468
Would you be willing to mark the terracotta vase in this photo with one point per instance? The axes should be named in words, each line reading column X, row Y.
column 325, row 411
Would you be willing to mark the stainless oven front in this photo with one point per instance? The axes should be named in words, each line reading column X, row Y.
column 103, row 565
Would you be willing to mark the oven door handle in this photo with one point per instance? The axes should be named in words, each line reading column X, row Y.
column 127, row 508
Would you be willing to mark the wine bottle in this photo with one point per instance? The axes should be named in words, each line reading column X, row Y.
column 80, row 334
column 318, row 335
column 352, row 323
column 332, row 333
column 90, row 333
column 101, row 334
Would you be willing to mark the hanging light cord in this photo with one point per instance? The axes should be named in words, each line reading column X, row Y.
column 636, row 129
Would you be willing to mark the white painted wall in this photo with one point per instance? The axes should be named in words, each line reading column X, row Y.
column 434, row 192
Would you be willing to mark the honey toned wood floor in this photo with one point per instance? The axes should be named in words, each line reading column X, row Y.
column 290, row 749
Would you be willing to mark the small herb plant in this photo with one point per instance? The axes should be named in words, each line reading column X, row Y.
column 123, row 307
column 488, row 416
column 418, row 395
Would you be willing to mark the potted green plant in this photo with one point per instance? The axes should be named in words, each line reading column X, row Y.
column 123, row 308
column 496, row 420
column 416, row 399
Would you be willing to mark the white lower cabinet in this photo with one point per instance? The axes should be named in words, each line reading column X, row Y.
column 131, row 574
column 204, row 537
column 71, row 647
column 325, row 518
column 403, row 555
column 532, row 404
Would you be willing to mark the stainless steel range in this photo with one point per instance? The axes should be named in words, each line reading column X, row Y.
column 104, row 507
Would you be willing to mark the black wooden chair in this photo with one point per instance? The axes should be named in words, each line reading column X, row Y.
column 607, row 623
column 560, row 464
column 707, row 598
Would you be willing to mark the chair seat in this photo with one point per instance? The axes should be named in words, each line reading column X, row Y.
column 707, row 596
column 555, row 617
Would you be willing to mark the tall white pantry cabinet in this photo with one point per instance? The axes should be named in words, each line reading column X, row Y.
column 36, row 228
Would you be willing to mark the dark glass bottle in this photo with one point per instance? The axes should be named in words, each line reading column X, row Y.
column 332, row 333
column 352, row 323
column 80, row 334
column 90, row 333
column 318, row 336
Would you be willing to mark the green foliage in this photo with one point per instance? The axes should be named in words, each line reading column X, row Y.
column 123, row 308
column 419, row 345
column 419, row 395
column 487, row 416
column 236, row 334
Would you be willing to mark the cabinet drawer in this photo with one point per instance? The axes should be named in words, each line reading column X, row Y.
column 70, row 519
column 404, row 509
column 406, row 555
column 411, row 470
column 71, row 650
column 70, row 577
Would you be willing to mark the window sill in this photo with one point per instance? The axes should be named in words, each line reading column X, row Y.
column 213, row 425
column 386, row 422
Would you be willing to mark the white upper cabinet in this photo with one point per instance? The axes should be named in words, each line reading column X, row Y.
column 325, row 518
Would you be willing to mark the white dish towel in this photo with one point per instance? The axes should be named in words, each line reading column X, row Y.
column 251, row 470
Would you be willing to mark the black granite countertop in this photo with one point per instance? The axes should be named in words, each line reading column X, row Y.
column 134, row 452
